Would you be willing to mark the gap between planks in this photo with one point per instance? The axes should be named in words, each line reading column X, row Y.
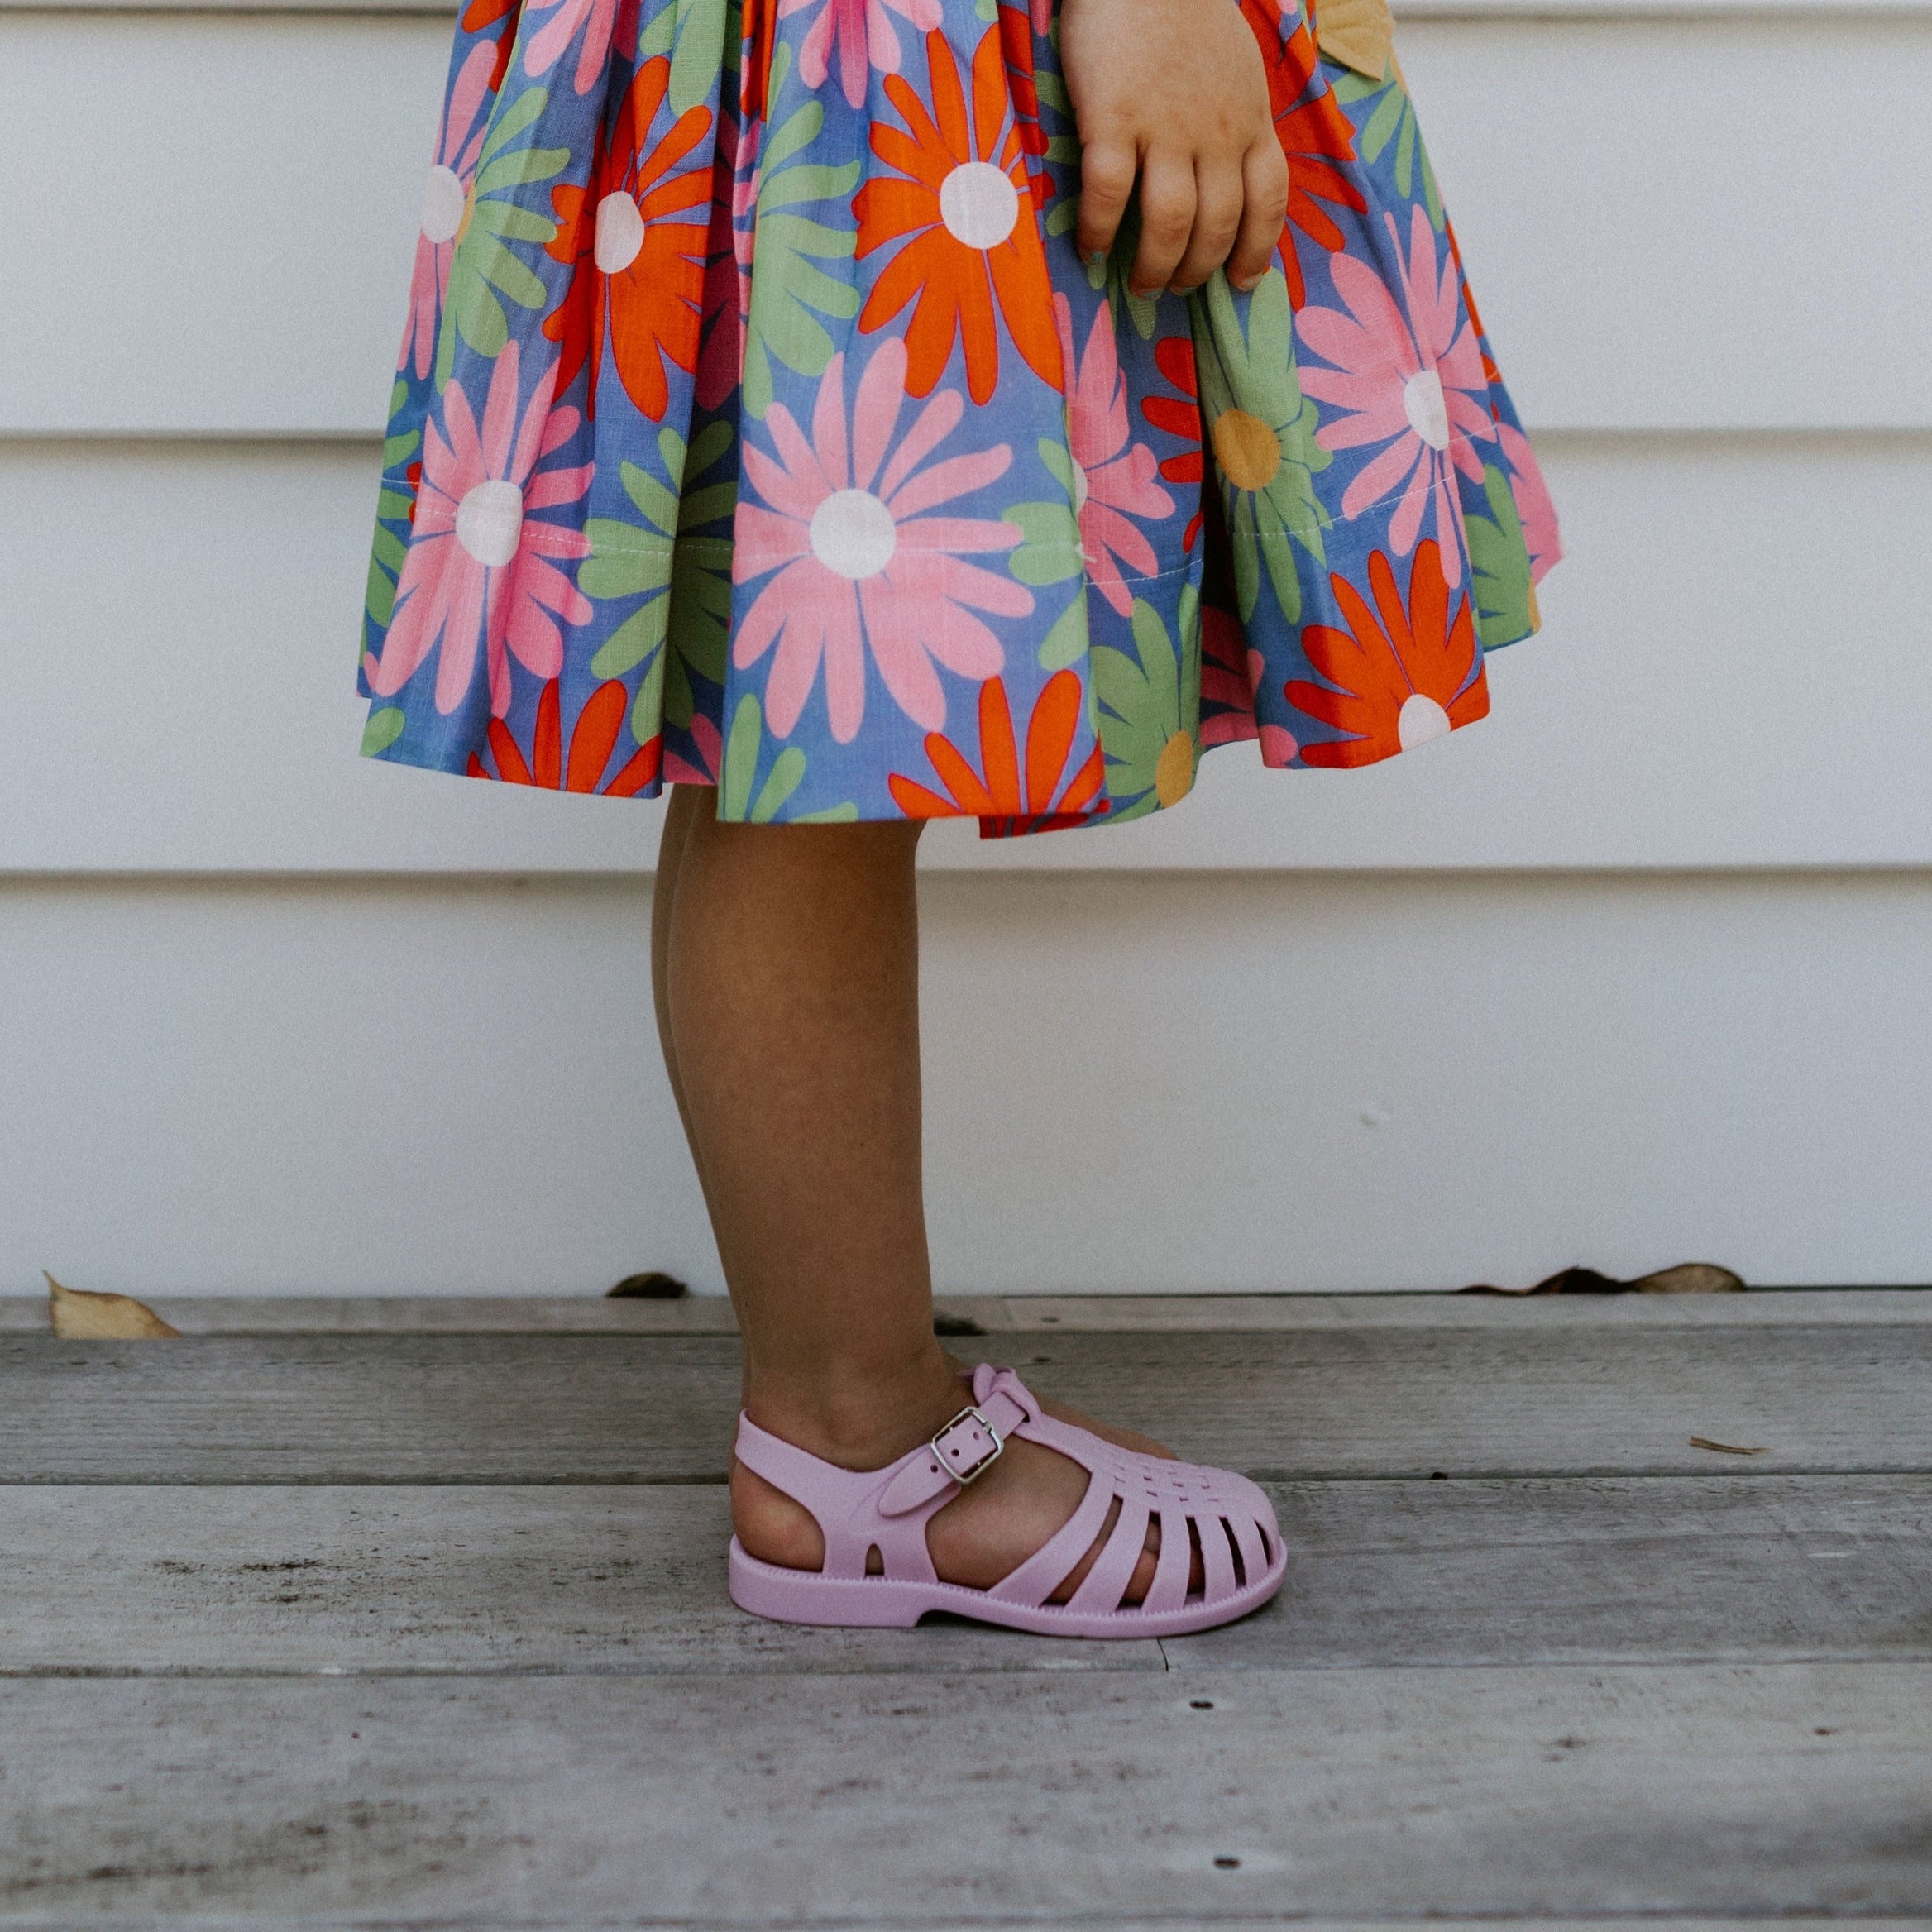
column 1014, row 1314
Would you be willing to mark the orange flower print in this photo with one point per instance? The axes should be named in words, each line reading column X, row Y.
column 1404, row 675
column 634, row 219
column 1007, row 797
column 592, row 741
column 1315, row 136
column 970, row 243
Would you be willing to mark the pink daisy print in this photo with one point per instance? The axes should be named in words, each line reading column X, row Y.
column 857, row 563
column 479, row 566
column 1113, row 478
column 862, row 35
column 545, row 47
column 446, row 203
column 1532, row 501
column 1414, row 381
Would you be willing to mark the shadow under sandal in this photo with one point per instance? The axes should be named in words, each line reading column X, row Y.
column 1223, row 1517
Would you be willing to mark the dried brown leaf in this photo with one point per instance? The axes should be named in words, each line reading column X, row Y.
column 1724, row 1448
column 653, row 1286
column 1686, row 1278
column 78, row 1315
column 1689, row 1278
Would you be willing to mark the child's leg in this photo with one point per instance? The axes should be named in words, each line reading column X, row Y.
column 789, row 991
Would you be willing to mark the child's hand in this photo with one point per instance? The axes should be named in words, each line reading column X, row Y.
column 1173, row 90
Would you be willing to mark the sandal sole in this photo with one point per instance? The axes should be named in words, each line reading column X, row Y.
column 880, row 1603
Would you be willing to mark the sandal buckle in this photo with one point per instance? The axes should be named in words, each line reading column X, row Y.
column 963, row 1446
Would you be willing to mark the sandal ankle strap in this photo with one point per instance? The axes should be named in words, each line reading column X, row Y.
column 965, row 1448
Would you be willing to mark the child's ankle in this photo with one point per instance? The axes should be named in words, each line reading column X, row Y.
column 858, row 1419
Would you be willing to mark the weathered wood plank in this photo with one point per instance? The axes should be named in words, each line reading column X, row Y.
column 147, row 1580
column 635, row 1408
column 1746, row 1790
column 1025, row 1314
column 1592, row 1570
column 422, row 1580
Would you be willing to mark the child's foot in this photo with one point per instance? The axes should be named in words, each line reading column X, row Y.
column 985, row 1532
column 1107, row 1431
column 1003, row 1513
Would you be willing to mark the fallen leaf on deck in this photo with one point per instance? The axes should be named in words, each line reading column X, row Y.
column 1689, row 1278
column 79, row 1316
column 1724, row 1448
column 1686, row 1278
column 653, row 1286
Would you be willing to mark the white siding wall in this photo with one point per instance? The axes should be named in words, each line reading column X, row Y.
column 1633, row 971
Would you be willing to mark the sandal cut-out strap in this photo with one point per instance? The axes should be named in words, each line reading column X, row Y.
column 1214, row 1514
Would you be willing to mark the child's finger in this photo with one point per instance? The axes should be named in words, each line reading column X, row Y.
column 1264, row 213
column 1167, row 219
column 1107, row 180
column 1218, row 200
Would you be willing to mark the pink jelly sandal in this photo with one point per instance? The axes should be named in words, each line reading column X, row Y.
column 1223, row 1516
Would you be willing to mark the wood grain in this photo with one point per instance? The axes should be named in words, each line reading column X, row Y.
column 1705, row 1789
column 632, row 1581
column 627, row 1408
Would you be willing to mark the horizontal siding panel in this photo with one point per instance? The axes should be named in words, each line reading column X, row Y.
column 1644, row 256
column 1154, row 1083
column 1736, row 672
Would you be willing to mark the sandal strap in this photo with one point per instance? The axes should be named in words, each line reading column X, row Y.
column 968, row 1444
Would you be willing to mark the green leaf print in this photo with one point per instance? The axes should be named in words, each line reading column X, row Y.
column 1065, row 644
column 699, row 44
column 1110, row 272
column 790, row 292
column 657, row 34
column 385, row 727
column 1505, row 600
column 1050, row 551
column 662, row 559
column 485, row 272
column 386, row 566
column 1393, row 118
column 1150, row 709
column 1262, row 434
column 735, row 803
column 398, row 448
column 700, row 572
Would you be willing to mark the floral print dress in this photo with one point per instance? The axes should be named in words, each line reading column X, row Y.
column 758, row 425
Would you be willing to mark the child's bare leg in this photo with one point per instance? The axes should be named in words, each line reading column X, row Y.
column 790, row 990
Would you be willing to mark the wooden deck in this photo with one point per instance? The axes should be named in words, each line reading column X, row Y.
column 401, row 1614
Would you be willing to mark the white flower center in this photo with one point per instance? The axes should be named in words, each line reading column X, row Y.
column 442, row 205
column 853, row 534
column 1427, row 413
column 978, row 204
column 1420, row 720
column 620, row 233
column 489, row 520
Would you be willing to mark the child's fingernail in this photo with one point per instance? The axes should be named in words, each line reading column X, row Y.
column 1247, row 283
column 1097, row 258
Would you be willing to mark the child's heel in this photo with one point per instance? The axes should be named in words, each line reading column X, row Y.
column 801, row 1596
